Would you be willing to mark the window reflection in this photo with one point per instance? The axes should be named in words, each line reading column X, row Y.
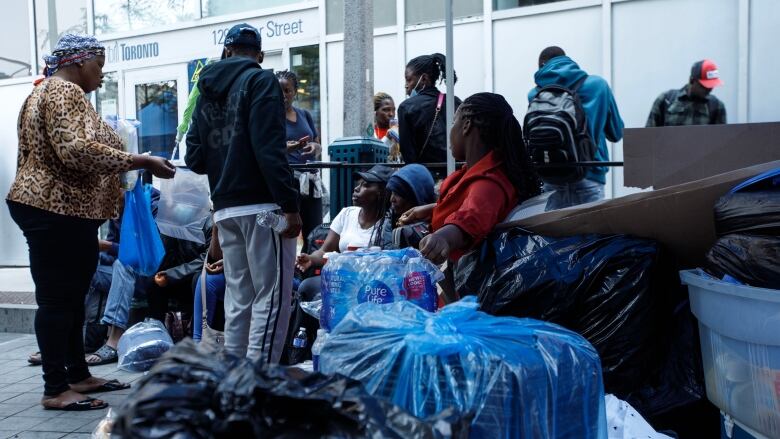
column 384, row 14
column 56, row 18
column 157, row 108
column 15, row 56
column 305, row 63
column 213, row 8
column 107, row 102
column 508, row 4
column 418, row 12
column 123, row 15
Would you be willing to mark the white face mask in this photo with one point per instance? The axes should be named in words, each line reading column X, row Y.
column 414, row 90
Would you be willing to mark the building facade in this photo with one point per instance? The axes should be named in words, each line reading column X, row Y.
column 155, row 48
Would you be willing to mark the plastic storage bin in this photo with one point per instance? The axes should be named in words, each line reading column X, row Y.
column 351, row 150
column 739, row 328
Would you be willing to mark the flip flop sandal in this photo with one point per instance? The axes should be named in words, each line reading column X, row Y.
column 80, row 406
column 107, row 355
column 109, row 386
column 35, row 359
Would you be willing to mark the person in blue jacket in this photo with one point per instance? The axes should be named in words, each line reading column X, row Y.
column 604, row 123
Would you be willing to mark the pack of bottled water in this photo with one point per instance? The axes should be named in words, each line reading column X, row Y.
column 376, row 276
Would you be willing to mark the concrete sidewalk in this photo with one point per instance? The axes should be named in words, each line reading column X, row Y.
column 21, row 389
column 17, row 300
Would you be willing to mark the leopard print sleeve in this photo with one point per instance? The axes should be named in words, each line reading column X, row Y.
column 72, row 131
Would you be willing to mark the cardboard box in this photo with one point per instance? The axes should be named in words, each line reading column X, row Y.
column 668, row 156
column 680, row 217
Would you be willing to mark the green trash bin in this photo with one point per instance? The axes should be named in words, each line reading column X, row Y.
column 351, row 150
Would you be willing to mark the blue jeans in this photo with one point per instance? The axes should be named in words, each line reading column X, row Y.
column 120, row 296
column 215, row 291
column 573, row 194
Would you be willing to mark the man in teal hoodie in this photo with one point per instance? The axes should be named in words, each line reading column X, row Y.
column 604, row 123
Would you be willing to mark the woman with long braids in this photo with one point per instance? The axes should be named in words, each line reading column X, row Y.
column 497, row 176
column 421, row 118
column 303, row 144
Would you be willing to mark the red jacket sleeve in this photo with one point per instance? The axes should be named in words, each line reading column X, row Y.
column 479, row 213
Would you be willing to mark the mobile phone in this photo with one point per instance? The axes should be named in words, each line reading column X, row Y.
column 304, row 140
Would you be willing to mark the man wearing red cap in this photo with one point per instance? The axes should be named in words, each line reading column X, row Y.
column 692, row 104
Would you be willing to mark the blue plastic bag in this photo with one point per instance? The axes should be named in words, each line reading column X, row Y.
column 520, row 378
column 140, row 246
column 376, row 276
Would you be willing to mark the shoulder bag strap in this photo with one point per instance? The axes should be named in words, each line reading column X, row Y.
column 203, row 302
column 439, row 104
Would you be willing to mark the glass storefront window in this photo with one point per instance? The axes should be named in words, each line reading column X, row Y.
column 305, row 63
column 418, row 12
column 213, row 8
column 157, row 108
column 15, row 25
column 384, row 14
column 124, row 15
column 55, row 18
column 509, row 4
column 107, row 102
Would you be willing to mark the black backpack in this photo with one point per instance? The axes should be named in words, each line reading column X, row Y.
column 556, row 132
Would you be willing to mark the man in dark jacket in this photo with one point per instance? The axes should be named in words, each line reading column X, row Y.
column 238, row 138
column 693, row 104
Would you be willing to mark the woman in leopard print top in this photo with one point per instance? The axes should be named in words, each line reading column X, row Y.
column 66, row 185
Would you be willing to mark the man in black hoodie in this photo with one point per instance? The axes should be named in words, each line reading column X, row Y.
column 238, row 137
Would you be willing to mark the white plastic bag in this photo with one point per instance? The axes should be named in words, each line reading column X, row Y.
column 184, row 206
column 142, row 345
column 127, row 129
column 624, row 422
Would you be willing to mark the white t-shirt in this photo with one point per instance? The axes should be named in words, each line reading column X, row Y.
column 347, row 225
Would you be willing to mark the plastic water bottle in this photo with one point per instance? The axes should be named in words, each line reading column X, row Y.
column 316, row 348
column 298, row 352
column 273, row 220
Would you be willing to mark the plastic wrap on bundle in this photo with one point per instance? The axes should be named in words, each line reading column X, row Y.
column 384, row 276
column 520, row 378
column 127, row 129
column 184, row 206
column 142, row 344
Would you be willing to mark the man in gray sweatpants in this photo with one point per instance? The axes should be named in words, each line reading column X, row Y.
column 238, row 137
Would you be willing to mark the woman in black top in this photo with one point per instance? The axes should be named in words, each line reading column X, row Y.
column 421, row 117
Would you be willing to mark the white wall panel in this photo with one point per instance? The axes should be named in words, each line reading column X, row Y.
column 12, row 243
column 764, row 64
column 655, row 42
column 334, row 101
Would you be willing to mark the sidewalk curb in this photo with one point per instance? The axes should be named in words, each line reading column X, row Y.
column 17, row 318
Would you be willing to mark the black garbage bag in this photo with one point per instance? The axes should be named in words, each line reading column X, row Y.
column 748, row 212
column 751, row 259
column 621, row 293
column 600, row 286
column 287, row 402
column 195, row 393
column 174, row 400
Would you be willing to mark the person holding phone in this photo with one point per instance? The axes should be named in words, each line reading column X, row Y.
column 303, row 145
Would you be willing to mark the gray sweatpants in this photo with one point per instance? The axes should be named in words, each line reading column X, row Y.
column 259, row 266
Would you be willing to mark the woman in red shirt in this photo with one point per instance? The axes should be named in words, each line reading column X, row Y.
column 497, row 176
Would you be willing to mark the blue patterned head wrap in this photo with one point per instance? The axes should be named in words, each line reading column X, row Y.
column 70, row 49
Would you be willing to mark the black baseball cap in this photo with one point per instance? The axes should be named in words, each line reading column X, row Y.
column 243, row 35
column 377, row 174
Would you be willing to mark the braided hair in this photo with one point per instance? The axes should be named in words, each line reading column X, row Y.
column 288, row 76
column 500, row 130
column 435, row 66
column 379, row 98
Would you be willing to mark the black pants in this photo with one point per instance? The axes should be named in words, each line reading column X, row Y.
column 311, row 217
column 63, row 258
column 158, row 298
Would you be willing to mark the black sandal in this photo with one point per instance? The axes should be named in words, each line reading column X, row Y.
column 107, row 355
column 80, row 406
column 109, row 386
